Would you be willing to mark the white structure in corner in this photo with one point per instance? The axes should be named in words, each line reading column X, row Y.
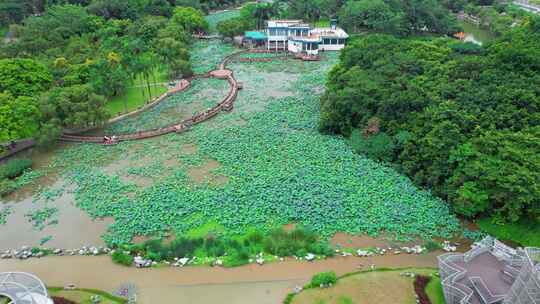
column 300, row 38
column 23, row 288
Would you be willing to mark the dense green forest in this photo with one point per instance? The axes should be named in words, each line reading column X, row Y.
column 66, row 59
column 390, row 16
column 458, row 118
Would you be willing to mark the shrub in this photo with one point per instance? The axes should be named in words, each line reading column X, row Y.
column 432, row 246
column 282, row 243
column 122, row 258
column 379, row 146
column 323, row 278
column 6, row 187
column 154, row 256
column 214, row 247
column 467, row 48
column 183, row 247
column 15, row 167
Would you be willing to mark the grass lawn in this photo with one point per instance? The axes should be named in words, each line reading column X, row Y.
column 134, row 99
column 322, row 23
column 372, row 287
column 526, row 233
column 82, row 296
column 434, row 291
column 133, row 96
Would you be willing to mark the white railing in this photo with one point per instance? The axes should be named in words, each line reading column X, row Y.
column 473, row 253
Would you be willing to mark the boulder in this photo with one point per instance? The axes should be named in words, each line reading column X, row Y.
column 183, row 261
column 310, row 257
column 363, row 253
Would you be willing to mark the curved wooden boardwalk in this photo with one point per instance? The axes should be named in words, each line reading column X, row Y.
column 226, row 104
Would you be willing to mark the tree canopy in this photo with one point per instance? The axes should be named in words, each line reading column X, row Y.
column 462, row 121
column 72, row 56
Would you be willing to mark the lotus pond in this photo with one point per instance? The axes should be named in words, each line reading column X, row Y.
column 262, row 165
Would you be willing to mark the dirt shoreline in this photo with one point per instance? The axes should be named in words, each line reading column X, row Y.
column 241, row 285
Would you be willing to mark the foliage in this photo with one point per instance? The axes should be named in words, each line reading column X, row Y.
column 122, row 258
column 297, row 242
column 74, row 57
column 23, row 77
column 14, row 167
column 467, row 48
column 236, row 250
column 190, row 19
column 195, row 98
column 379, row 146
column 232, row 27
column 42, row 217
column 6, row 187
column 389, row 16
column 374, row 15
column 471, row 117
column 432, row 245
column 473, row 235
column 434, row 290
column 323, row 279
column 76, row 106
column 19, row 117
column 5, row 211
column 215, row 18
column 524, row 232
column 279, row 168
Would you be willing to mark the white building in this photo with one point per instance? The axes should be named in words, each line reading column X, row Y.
column 299, row 37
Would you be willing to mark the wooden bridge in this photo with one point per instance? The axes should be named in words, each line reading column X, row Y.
column 227, row 104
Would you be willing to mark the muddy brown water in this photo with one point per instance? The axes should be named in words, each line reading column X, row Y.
column 73, row 230
column 242, row 285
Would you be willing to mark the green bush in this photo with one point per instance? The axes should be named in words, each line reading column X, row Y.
column 467, row 48
column 119, row 257
column 15, row 167
column 380, row 146
column 432, row 246
column 525, row 232
column 323, row 278
column 282, row 243
column 6, row 187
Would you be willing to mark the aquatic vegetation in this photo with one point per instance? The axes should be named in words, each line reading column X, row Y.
column 215, row 18
column 202, row 95
column 4, row 213
column 44, row 240
column 208, row 54
column 280, row 170
column 42, row 217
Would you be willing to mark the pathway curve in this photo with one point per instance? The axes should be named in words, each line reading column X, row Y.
column 226, row 104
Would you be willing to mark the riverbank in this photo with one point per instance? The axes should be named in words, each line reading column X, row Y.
column 203, row 285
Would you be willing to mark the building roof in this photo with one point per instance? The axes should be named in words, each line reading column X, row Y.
column 254, row 35
column 327, row 32
column 286, row 23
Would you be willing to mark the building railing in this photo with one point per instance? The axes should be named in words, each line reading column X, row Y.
column 451, row 274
